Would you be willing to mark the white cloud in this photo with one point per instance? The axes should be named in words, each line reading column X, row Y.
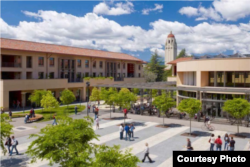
column 229, row 10
column 160, row 51
column 67, row 29
column 232, row 10
column 158, row 8
column 118, row 9
column 200, row 12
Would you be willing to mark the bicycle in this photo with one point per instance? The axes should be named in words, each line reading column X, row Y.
column 206, row 127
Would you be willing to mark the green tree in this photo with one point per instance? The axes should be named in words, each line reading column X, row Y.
column 67, row 144
column 67, row 97
column 37, row 96
column 154, row 92
column 156, row 66
column 6, row 131
column 112, row 156
column 135, row 91
column 148, row 75
column 49, row 101
column 182, row 54
column 109, row 96
column 164, row 102
column 95, row 94
column 237, row 108
column 191, row 107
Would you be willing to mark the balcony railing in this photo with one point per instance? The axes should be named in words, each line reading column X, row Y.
column 10, row 64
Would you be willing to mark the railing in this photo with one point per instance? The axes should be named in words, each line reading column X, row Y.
column 11, row 64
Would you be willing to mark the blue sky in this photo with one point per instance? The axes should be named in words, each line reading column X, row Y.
column 134, row 27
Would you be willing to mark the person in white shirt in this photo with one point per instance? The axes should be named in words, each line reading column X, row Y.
column 146, row 154
column 121, row 129
column 211, row 141
column 14, row 144
column 97, row 122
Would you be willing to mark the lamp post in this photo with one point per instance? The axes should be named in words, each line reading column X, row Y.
column 87, row 84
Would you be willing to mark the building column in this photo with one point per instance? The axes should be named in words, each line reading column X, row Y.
column 215, row 78
column 225, row 78
column 23, row 99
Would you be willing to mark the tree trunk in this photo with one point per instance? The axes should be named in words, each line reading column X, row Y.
column 190, row 126
column 110, row 111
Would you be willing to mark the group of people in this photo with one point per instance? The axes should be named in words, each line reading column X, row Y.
column 16, row 104
column 31, row 115
column 229, row 144
column 11, row 143
column 129, row 131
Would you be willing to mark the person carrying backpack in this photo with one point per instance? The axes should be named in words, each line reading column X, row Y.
column 8, row 143
column 218, row 143
column 14, row 143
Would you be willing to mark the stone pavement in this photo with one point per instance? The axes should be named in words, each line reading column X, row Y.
column 162, row 141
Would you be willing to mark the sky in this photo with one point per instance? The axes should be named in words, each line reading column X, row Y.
column 137, row 28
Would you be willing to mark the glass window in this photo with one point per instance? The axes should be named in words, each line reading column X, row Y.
column 66, row 64
column 211, row 78
column 239, row 79
column 78, row 75
column 118, row 75
column 40, row 75
column 79, row 63
column 100, row 64
column 220, row 79
column 124, row 75
column 94, row 74
column 51, row 61
column 247, row 79
column 86, row 74
column 41, row 61
column 51, row 75
column 87, row 63
column 229, row 79
column 123, row 65
column 118, row 65
column 94, row 64
column 62, row 74
column 139, row 67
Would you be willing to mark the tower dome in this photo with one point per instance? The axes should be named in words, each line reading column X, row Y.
column 171, row 35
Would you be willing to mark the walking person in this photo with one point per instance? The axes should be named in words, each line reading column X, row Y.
column 97, row 122
column 189, row 146
column 211, row 141
column 26, row 119
column 31, row 113
column 54, row 122
column 14, row 103
column 232, row 144
column 14, row 143
column 17, row 104
column 218, row 143
column 93, row 108
column 227, row 140
column 127, row 131
column 8, row 143
column 125, row 111
column 10, row 115
column 96, row 112
column 146, row 154
column 89, row 106
column 132, row 128
column 121, row 129
column 75, row 110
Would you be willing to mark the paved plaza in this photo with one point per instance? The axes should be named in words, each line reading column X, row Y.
column 162, row 141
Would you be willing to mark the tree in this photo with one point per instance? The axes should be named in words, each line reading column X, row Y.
column 37, row 96
column 135, row 91
column 181, row 54
column 156, row 66
column 67, row 144
column 49, row 101
column 149, row 76
column 237, row 108
column 6, row 131
column 190, row 106
column 67, row 97
column 154, row 92
column 109, row 96
column 112, row 156
column 95, row 94
column 164, row 102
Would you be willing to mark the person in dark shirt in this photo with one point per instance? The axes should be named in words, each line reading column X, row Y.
column 232, row 144
column 189, row 146
column 127, row 131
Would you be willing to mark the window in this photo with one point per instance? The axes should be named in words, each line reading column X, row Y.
column 79, row 63
column 139, row 75
column 94, row 74
column 62, row 74
column 100, row 64
column 29, row 62
column 86, row 74
column 66, row 64
column 73, row 64
column 40, row 75
column 118, row 75
column 123, row 65
column 87, row 63
column 51, row 61
column 118, row 65
column 78, row 75
column 51, row 75
column 168, row 41
column 41, row 61
column 94, row 64
column 107, row 74
column 100, row 74
column 124, row 75
column 211, row 78
column 237, row 74
column 139, row 67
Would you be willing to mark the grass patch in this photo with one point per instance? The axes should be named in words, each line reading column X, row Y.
column 48, row 114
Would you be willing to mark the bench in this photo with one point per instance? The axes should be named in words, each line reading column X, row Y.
column 36, row 118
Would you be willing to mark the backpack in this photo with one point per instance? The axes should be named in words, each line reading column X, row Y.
column 16, row 142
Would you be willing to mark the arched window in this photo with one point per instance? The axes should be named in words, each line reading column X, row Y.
column 168, row 41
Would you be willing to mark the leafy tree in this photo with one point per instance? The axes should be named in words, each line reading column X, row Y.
column 49, row 101
column 149, row 76
column 164, row 102
column 95, row 94
column 156, row 66
column 67, row 97
column 154, row 92
column 190, row 106
column 135, row 91
column 6, row 131
column 237, row 108
column 37, row 96
column 109, row 96
column 67, row 144
column 112, row 156
column 182, row 54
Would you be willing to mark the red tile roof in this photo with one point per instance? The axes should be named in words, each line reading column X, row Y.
column 180, row 60
column 13, row 44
